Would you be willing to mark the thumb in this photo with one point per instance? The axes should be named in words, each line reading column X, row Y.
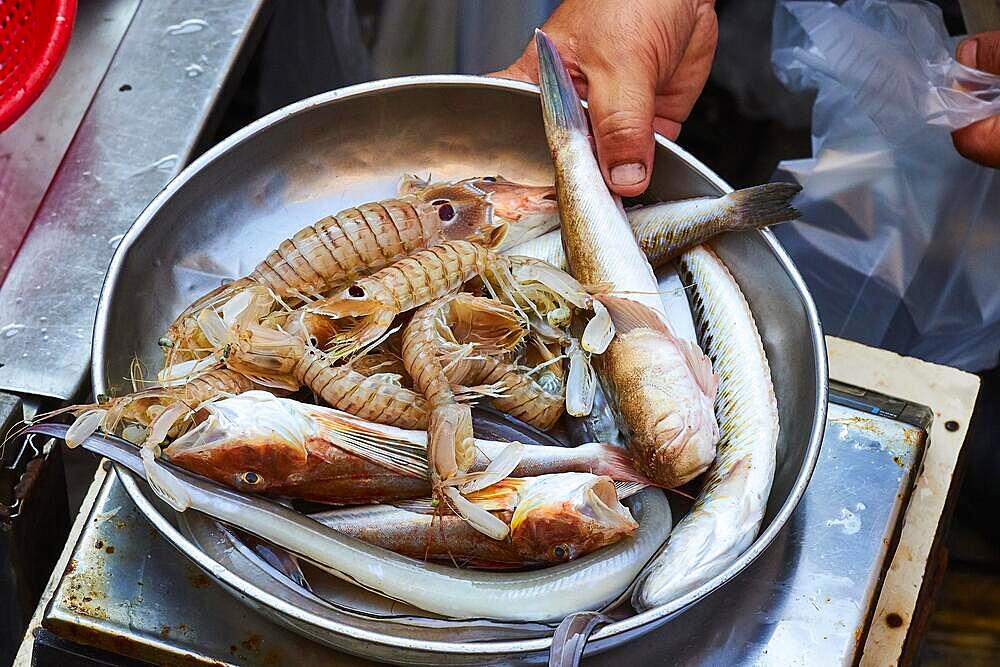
column 980, row 141
column 981, row 52
column 621, row 116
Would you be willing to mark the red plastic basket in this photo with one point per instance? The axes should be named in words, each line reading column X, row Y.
column 34, row 35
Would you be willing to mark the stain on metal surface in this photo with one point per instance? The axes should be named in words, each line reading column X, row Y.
column 198, row 579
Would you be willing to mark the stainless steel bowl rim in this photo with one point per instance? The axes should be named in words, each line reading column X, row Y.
column 132, row 484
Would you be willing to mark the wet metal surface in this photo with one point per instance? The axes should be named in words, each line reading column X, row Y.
column 141, row 127
column 806, row 601
column 31, row 148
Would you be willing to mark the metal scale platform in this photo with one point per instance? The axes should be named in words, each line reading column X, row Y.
column 125, row 594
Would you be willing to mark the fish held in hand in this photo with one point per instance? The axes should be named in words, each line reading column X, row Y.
column 661, row 387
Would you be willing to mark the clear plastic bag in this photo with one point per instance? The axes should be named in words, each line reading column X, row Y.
column 900, row 237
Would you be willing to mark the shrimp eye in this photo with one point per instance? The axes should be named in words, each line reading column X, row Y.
column 561, row 551
column 250, row 478
column 490, row 179
column 356, row 291
column 446, row 212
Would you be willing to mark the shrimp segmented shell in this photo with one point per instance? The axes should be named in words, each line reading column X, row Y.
column 428, row 274
column 352, row 243
column 379, row 397
column 155, row 413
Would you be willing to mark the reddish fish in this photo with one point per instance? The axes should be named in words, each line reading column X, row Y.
column 261, row 443
column 552, row 519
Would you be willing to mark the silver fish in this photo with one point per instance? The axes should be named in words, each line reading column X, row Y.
column 667, row 229
column 660, row 386
column 590, row 582
column 727, row 514
column 552, row 519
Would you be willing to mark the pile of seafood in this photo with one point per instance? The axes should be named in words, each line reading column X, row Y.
column 345, row 369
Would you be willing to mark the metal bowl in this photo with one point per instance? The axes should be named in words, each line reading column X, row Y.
column 237, row 201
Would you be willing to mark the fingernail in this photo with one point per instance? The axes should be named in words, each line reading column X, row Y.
column 628, row 174
column 967, row 52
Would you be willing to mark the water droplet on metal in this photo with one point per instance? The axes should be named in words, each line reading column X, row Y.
column 187, row 27
column 165, row 164
column 11, row 330
column 193, row 70
column 115, row 240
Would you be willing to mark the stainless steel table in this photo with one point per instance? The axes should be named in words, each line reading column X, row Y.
column 149, row 76
column 808, row 600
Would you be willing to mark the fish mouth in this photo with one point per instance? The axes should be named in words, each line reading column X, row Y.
column 578, row 498
column 601, row 500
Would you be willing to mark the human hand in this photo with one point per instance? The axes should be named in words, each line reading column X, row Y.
column 640, row 64
column 980, row 141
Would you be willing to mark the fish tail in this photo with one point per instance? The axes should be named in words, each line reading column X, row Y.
column 763, row 205
column 560, row 103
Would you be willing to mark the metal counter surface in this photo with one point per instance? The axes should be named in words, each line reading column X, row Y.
column 141, row 126
column 807, row 600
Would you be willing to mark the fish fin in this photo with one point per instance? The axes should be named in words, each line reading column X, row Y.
column 503, row 495
column 416, row 505
column 499, row 497
column 560, row 103
column 700, row 365
column 616, row 463
column 763, row 205
column 369, row 442
column 626, row 489
column 628, row 314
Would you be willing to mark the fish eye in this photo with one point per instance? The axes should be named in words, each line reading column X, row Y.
column 356, row 291
column 561, row 551
column 446, row 212
column 250, row 478
column 490, row 179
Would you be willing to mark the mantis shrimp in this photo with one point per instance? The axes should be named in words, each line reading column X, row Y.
column 363, row 239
